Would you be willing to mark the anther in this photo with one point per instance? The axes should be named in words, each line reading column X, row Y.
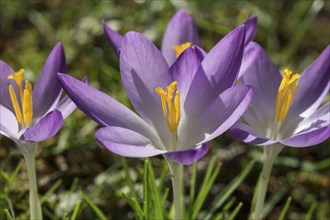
column 180, row 48
column 285, row 94
column 16, row 106
column 170, row 105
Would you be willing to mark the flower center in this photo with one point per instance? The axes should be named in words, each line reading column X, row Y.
column 180, row 48
column 171, row 105
column 285, row 94
column 24, row 111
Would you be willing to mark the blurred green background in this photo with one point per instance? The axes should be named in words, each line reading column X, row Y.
column 293, row 33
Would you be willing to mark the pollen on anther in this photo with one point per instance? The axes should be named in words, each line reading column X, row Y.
column 18, row 78
column 24, row 109
column 180, row 48
column 170, row 101
column 285, row 94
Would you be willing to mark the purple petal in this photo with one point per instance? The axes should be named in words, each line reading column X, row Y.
column 202, row 53
column 66, row 106
column 251, row 55
column 100, row 107
column 200, row 95
column 233, row 103
column 184, row 69
column 113, row 37
column 314, row 85
column 222, row 63
column 180, row 29
column 46, row 127
column 47, row 89
column 143, row 69
column 260, row 73
column 5, row 71
column 309, row 138
column 217, row 73
column 190, row 156
column 126, row 142
column 247, row 134
column 320, row 118
column 8, row 122
column 250, row 29
column 216, row 118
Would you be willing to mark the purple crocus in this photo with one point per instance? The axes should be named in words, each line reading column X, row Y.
column 33, row 115
column 285, row 110
column 290, row 115
column 179, row 109
column 181, row 32
column 29, row 116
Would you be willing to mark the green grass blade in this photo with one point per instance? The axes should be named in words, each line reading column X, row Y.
column 10, row 205
column 210, row 26
column 297, row 13
column 254, row 199
column 231, row 187
column 154, row 193
column 65, row 216
column 135, row 206
column 311, row 210
column 4, row 174
column 192, row 187
column 8, row 215
column 97, row 210
column 165, row 195
column 285, row 209
column 49, row 214
column 74, row 185
column 50, row 191
column 163, row 176
column 229, row 204
column 323, row 164
column 76, row 210
column 276, row 198
column 301, row 29
column 128, row 179
column 208, row 181
column 145, row 189
column 219, row 216
column 14, row 174
column 235, row 212
column 10, row 178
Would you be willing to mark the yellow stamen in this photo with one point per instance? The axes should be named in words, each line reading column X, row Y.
column 180, row 48
column 285, row 94
column 16, row 106
column 27, row 104
column 18, row 78
column 170, row 105
column 24, row 119
column 177, row 106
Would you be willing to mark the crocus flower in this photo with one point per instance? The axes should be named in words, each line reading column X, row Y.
column 179, row 109
column 33, row 115
column 285, row 108
column 181, row 33
column 28, row 116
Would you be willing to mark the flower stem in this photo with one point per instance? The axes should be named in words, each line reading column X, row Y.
column 35, row 206
column 270, row 154
column 178, row 189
